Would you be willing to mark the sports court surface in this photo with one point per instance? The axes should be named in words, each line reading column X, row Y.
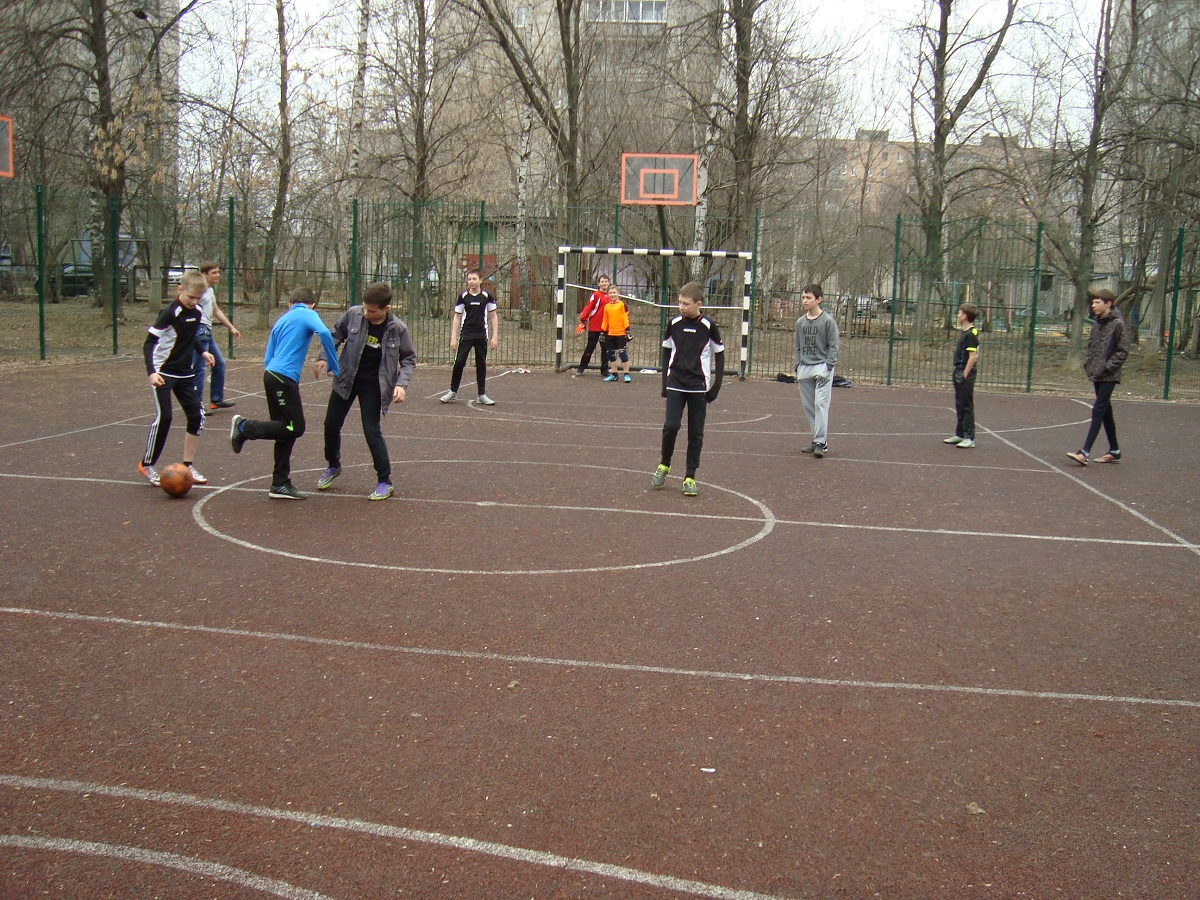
column 905, row 670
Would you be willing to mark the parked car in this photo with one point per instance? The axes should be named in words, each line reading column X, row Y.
column 77, row 279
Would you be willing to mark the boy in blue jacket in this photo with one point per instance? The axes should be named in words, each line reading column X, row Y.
column 377, row 361
column 287, row 348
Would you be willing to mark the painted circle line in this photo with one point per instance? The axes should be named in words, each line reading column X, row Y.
column 768, row 525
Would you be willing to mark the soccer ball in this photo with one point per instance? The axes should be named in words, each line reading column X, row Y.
column 175, row 479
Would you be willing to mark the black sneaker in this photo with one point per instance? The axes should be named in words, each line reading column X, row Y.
column 820, row 450
column 811, row 448
column 221, row 404
column 236, row 438
column 286, row 492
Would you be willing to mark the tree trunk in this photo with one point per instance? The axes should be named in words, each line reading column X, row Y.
column 267, row 297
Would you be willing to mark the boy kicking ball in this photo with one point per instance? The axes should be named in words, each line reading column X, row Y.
column 693, row 366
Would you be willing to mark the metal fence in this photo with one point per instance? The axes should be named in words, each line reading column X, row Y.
column 894, row 306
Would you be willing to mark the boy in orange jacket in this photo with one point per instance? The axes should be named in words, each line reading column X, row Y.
column 614, row 330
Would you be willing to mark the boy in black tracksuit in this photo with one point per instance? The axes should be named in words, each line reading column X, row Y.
column 692, row 369
column 169, row 350
column 966, row 358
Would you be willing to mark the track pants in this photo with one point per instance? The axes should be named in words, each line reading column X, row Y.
column 964, row 406
column 285, row 426
column 697, row 409
column 460, row 362
column 815, row 399
column 184, row 389
column 593, row 340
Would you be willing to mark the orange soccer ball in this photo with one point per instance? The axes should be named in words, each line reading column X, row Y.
column 175, row 479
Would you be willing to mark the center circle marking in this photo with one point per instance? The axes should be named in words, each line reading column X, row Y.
column 768, row 525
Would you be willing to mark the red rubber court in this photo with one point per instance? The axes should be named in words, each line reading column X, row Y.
column 904, row 670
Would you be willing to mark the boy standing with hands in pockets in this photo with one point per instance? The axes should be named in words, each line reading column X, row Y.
column 816, row 355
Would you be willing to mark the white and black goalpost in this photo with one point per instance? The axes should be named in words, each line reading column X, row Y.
column 747, row 281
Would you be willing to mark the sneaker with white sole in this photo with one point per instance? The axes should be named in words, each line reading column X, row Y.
column 690, row 488
column 820, row 450
column 485, row 400
column 286, row 492
column 382, row 491
column 952, row 440
column 149, row 473
column 326, row 479
column 449, row 397
column 197, row 478
column 966, row 444
column 236, row 437
column 659, row 478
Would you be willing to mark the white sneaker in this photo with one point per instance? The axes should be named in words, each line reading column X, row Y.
column 197, row 478
column 485, row 400
column 966, row 444
column 449, row 397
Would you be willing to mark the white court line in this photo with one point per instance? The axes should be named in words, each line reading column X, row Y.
column 1180, row 540
column 50, row 437
column 593, row 664
column 767, row 520
column 395, row 832
column 896, row 529
column 200, row 867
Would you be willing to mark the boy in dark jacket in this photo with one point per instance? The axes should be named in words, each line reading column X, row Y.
column 1107, row 350
column 376, row 362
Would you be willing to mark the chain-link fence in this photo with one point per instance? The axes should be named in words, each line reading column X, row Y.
column 894, row 300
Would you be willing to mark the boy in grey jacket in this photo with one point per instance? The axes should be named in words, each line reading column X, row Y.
column 816, row 355
column 376, row 362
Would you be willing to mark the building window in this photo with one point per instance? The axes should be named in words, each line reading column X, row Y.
column 883, row 171
column 635, row 11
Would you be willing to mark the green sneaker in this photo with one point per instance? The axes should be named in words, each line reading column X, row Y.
column 659, row 478
column 690, row 488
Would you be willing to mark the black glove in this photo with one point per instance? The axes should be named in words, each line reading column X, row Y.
column 629, row 337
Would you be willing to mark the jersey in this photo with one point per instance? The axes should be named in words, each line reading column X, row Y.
column 692, row 347
column 171, row 343
column 287, row 345
column 474, row 309
column 615, row 320
column 968, row 343
column 593, row 312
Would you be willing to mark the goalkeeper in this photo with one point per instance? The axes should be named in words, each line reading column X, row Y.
column 614, row 331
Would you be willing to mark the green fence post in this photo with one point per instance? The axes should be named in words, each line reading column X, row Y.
column 353, row 252
column 114, row 225
column 895, row 299
column 1174, row 310
column 1033, row 307
column 39, row 199
column 229, row 273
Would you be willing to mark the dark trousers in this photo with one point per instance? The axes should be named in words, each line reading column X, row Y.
column 370, row 406
column 1102, row 415
column 184, row 390
column 286, row 425
column 206, row 342
column 697, row 409
column 964, row 406
column 465, row 346
column 593, row 340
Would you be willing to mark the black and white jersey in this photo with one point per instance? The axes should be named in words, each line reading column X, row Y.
column 172, row 341
column 692, row 345
column 474, row 309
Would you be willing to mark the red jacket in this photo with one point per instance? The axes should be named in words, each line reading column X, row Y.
column 593, row 312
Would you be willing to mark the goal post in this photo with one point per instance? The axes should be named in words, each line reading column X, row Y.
column 746, row 256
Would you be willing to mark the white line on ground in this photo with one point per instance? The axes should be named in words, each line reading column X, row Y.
column 200, row 867
column 1124, row 507
column 608, row 666
column 314, row 820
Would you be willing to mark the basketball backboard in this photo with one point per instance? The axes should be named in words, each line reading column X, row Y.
column 6, row 151
column 659, row 179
